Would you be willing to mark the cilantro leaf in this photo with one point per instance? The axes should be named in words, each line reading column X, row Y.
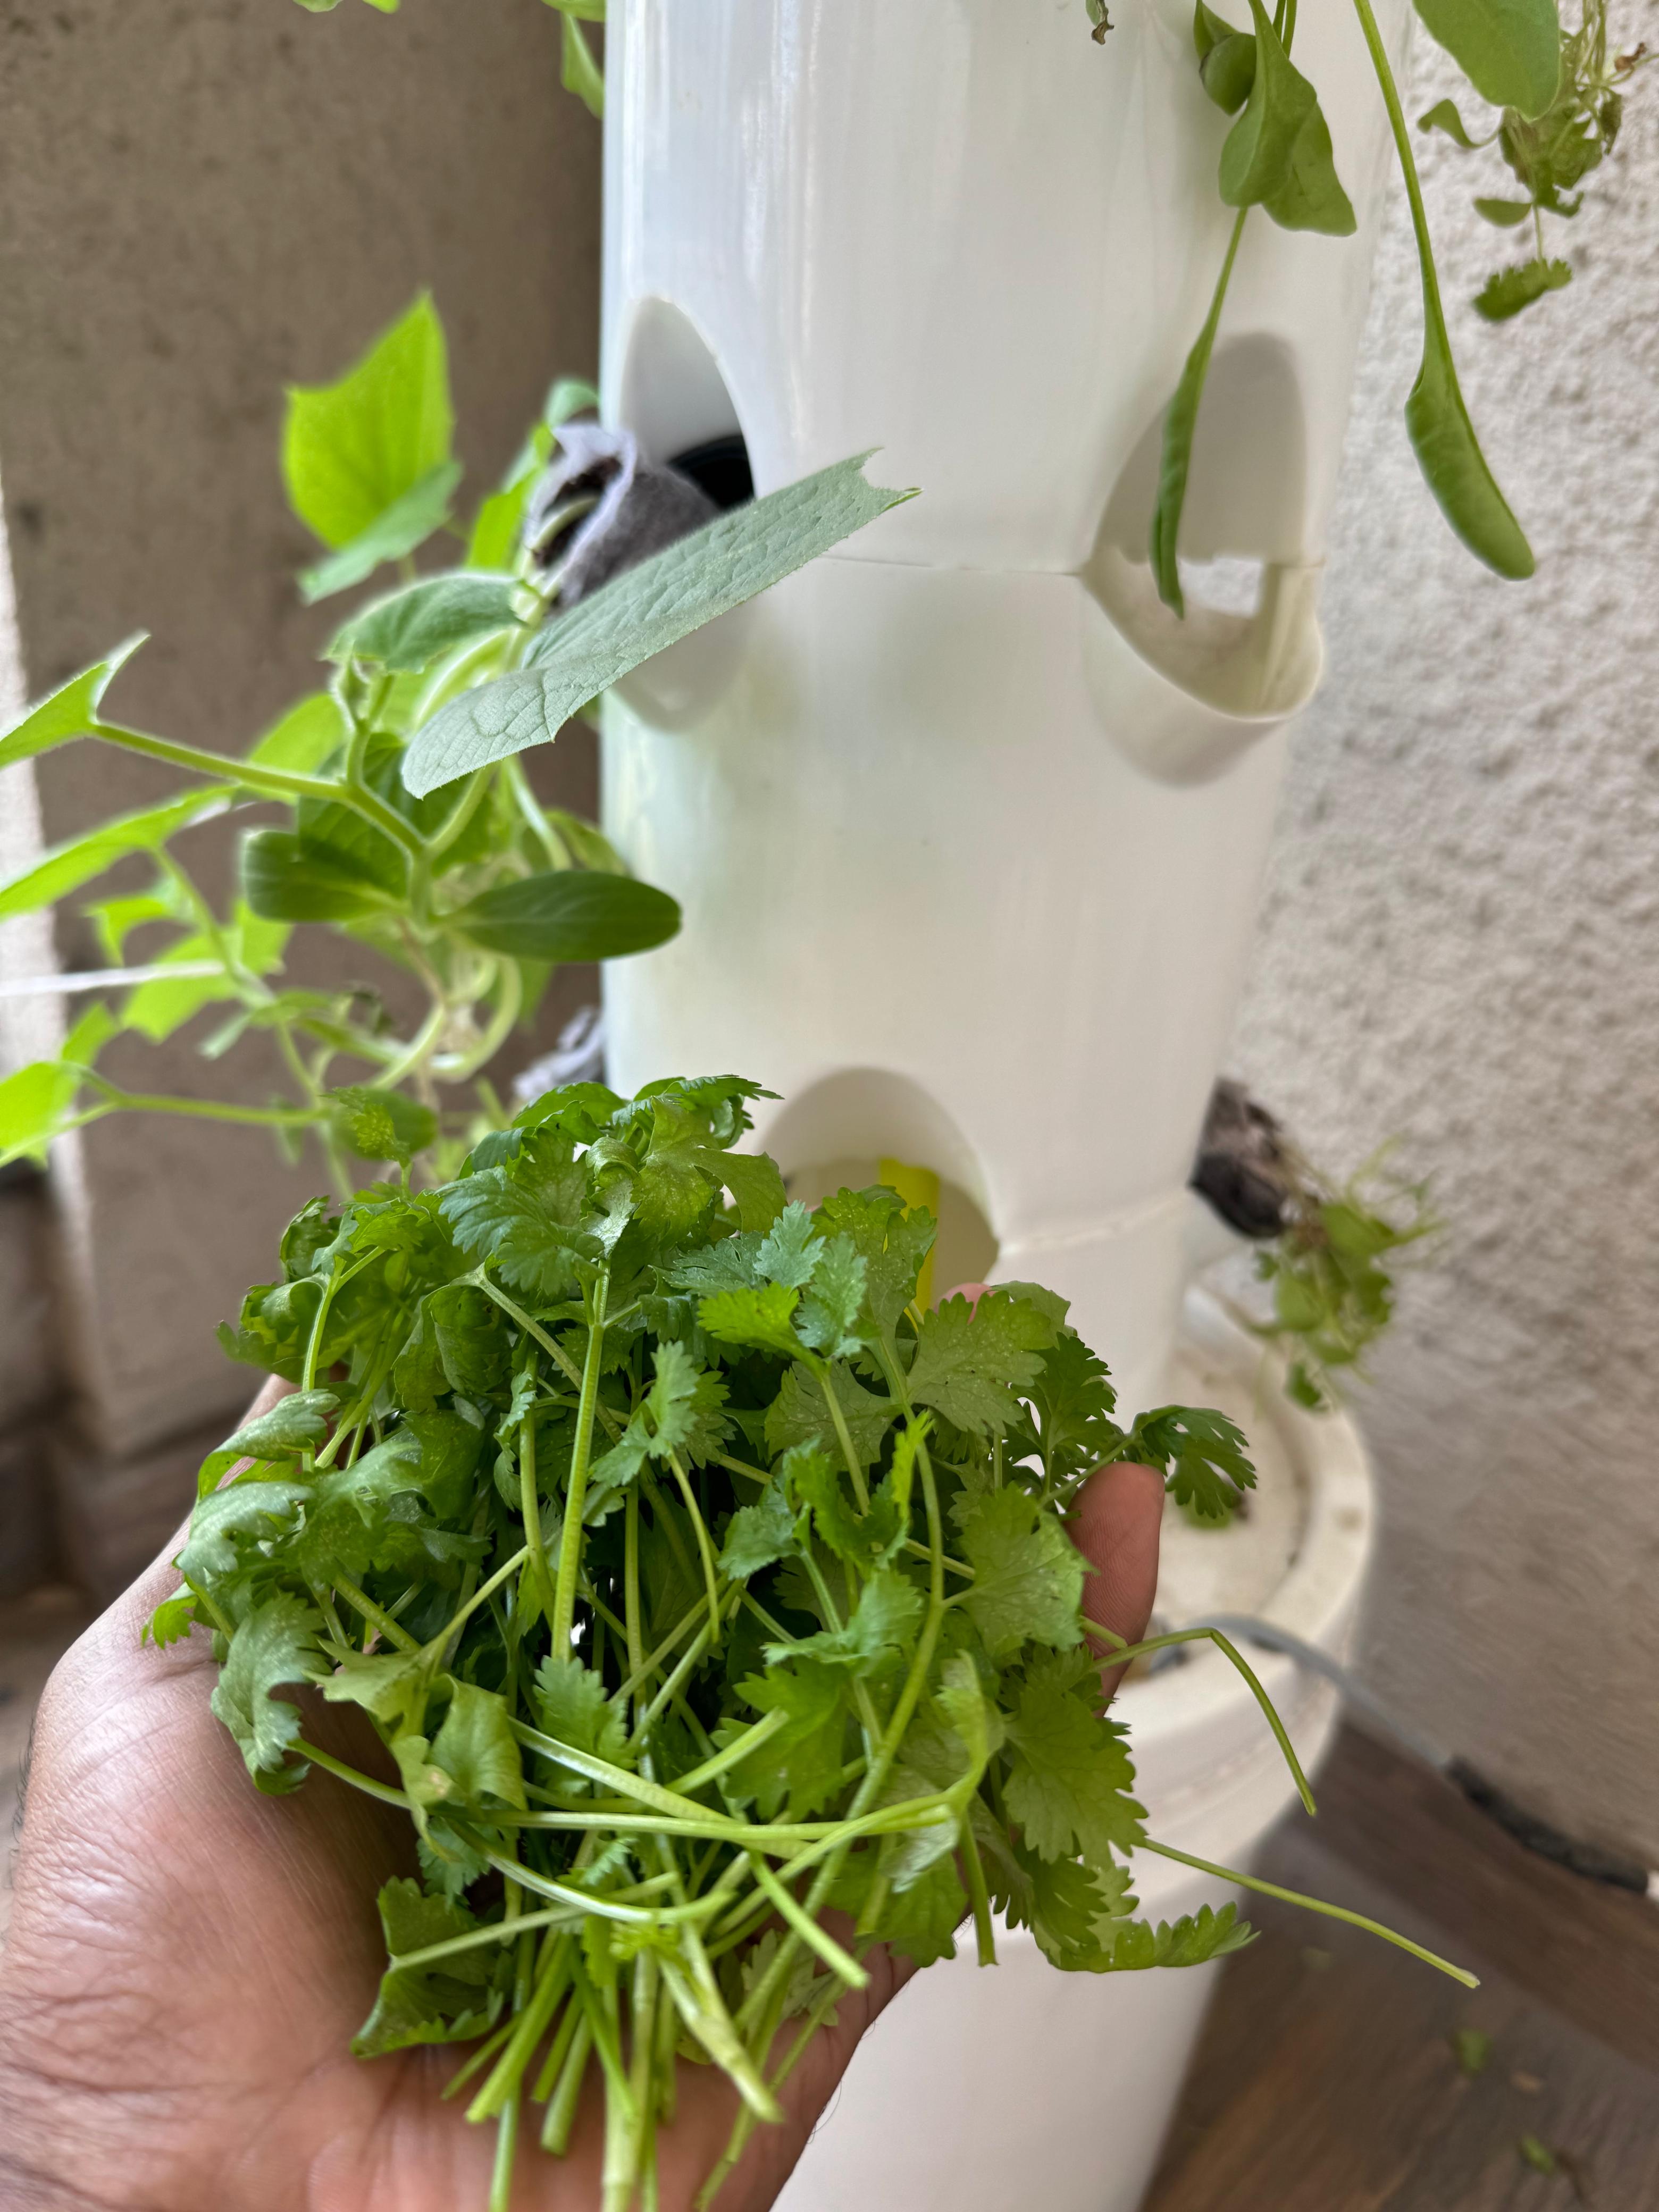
column 892, row 1242
column 448, row 2002
column 801, row 1414
column 1028, row 1575
column 275, row 1646
column 1070, row 1776
column 879, row 1630
column 759, row 1535
column 971, row 1358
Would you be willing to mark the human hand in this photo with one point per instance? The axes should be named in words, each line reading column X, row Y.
column 188, row 1960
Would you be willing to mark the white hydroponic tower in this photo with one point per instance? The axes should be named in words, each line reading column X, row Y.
column 969, row 830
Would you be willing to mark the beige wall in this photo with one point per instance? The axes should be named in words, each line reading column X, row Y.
column 197, row 206
column 1459, row 946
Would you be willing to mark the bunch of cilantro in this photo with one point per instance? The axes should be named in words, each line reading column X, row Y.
column 698, row 1585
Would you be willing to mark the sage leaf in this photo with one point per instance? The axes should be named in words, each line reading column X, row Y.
column 640, row 613
column 409, row 629
column 1508, row 50
column 569, row 913
column 1507, row 291
column 353, row 449
column 1256, row 157
column 71, row 711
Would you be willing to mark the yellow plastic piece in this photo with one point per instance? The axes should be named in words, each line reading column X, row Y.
column 917, row 1187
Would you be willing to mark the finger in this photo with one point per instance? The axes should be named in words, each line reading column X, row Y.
column 972, row 1292
column 1116, row 1525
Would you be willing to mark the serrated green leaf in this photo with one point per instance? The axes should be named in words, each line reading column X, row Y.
column 1070, row 1776
column 225, row 1519
column 877, row 1632
column 475, row 1748
column 759, row 1535
column 1507, row 291
column 641, row 612
column 523, row 1220
column 382, row 1125
column 1193, row 1940
column 273, row 1648
column 569, row 913
column 971, row 1357
column 801, row 1414
column 295, row 1424
column 573, row 1706
column 761, row 1317
column 1028, row 1575
column 445, row 2002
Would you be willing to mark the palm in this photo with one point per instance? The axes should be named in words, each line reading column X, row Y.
column 189, row 1961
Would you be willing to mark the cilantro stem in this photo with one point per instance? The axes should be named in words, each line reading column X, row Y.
column 360, row 1602
column 808, row 1928
column 711, row 1575
column 824, row 1373
column 508, row 2071
column 644, row 1673
column 587, row 1901
column 978, row 1896
column 502, row 1574
column 560, row 2122
column 631, row 1593
column 1121, row 1653
column 1314, row 1904
column 530, row 1506
column 342, row 1772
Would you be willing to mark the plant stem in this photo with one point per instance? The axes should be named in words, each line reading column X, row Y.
column 1313, row 1905
column 570, row 1542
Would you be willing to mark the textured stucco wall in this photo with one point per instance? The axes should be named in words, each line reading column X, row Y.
column 197, row 205
column 1458, row 947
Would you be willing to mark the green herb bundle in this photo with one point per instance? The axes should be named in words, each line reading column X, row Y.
column 699, row 1586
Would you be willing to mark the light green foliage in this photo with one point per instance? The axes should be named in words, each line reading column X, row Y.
column 474, row 892
column 1332, row 1273
column 746, row 1612
column 1551, row 144
column 352, row 452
